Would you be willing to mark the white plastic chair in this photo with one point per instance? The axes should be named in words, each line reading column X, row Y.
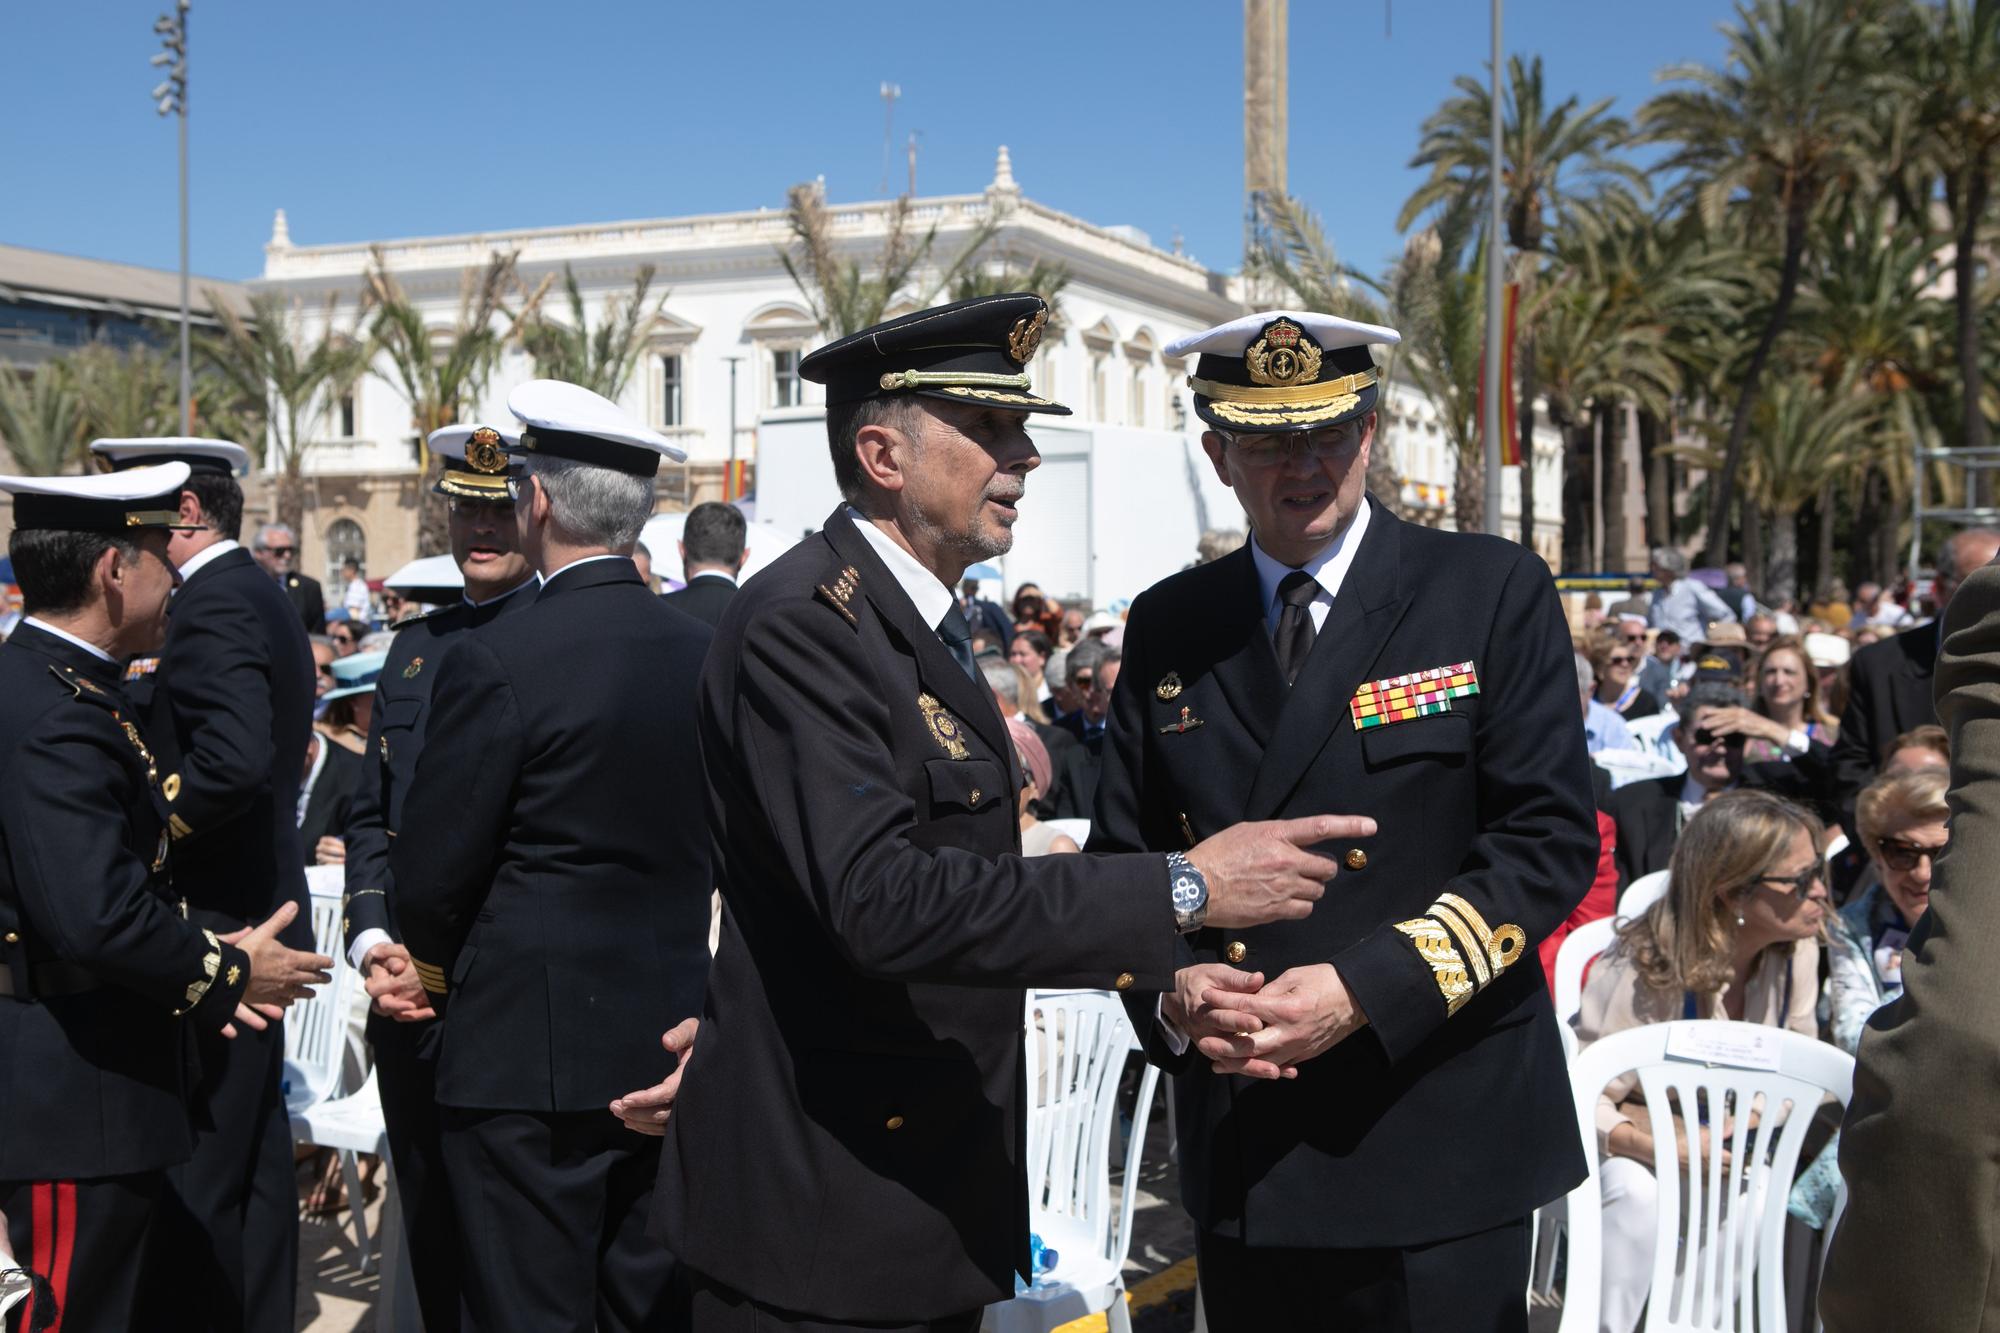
column 1077, row 829
column 1641, row 893
column 1077, row 1044
column 1650, row 731
column 1629, row 766
column 1836, row 844
column 1733, row 1275
column 1572, row 957
column 316, row 1027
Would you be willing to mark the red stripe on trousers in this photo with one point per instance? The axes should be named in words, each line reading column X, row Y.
column 65, row 1247
column 40, row 1229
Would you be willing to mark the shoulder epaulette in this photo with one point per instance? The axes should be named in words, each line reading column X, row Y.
column 841, row 591
column 80, row 685
column 83, row 687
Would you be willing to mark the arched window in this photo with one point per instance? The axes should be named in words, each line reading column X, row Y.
column 344, row 541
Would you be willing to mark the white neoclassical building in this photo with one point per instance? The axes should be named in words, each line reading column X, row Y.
column 727, row 352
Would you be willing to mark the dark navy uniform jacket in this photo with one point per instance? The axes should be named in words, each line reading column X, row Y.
column 97, row 956
column 1450, row 1112
column 848, row 1143
column 551, row 869
column 232, row 704
column 395, row 738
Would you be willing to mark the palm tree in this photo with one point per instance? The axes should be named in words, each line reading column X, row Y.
column 1044, row 277
column 41, row 421
column 847, row 294
column 123, row 392
column 600, row 358
column 1289, row 249
column 1948, row 55
column 1557, row 160
column 440, row 373
column 274, row 356
column 1772, row 133
column 1440, row 307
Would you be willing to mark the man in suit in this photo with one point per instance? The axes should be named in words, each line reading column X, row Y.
column 1078, row 771
column 276, row 548
column 232, row 701
column 1889, row 683
column 551, row 881
column 1920, row 1146
column 403, row 1030
column 712, row 556
column 846, row 1152
column 1001, row 677
column 1369, row 1118
column 98, row 967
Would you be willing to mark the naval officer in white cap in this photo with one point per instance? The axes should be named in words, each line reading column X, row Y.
column 1376, row 1099
column 552, row 883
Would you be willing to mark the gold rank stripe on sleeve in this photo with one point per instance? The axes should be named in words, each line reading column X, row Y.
column 1417, row 694
column 1451, row 924
column 430, row 976
column 211, row 963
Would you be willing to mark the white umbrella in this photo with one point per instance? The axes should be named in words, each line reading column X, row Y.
column 433, row 571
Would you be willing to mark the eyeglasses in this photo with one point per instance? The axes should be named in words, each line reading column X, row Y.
column 1706, row 737
column 1082, row 680
column 1900, row 855
column 465, row 505
column 1621, row 659
column 281, row 550
column 339, row 637
column 1799, row 885
column 1328, row 442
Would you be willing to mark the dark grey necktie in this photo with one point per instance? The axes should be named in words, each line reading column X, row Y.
column 957, row 636
column 1294, row 639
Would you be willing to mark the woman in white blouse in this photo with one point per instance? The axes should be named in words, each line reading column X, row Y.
column 1736, row 937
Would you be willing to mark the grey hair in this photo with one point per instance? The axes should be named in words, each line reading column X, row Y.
column 1586, row 674
column 1001, row 677
column 1089, row 656
column 1667, row 558
column 266, row 529
column 1947, row 556
column 594, row 506
column 1709, row 694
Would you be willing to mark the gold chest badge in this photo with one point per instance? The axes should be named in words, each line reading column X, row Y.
column 416, row 665
column 944, row 727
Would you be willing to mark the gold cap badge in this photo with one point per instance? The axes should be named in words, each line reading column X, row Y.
column 1026, row 336
column 482, row 452
column 1285, row 355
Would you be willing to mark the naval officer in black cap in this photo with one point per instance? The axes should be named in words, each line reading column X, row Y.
column 231, row 712
column 402, row 1026
column 846, row 1151
column 1364, row 1135
column 551, row 880
column 102, row 979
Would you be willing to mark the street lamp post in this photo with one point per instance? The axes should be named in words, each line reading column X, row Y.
column 171, row 95
column 1495, row 330
column 729, row 477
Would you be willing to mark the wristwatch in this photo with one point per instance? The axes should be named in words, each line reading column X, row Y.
column 1190, row 888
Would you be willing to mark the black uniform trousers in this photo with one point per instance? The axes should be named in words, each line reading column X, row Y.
column 406, row 1076
column 710, row 1307
column 91, row 1239
column 553, row 1206
column 1470, row 1282
column 232, row 1217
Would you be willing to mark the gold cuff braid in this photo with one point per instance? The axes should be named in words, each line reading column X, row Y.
column 1451, row 920
column 211, row 963
column 1447, row 968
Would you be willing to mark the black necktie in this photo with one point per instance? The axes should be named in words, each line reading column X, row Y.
column 1294, row 639
column 957, row 636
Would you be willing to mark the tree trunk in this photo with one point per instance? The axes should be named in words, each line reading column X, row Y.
column 1468, row 488
column 291, row 495
column 1965, row 278
column 1886, row 537
column 1823, row 573
column 1576, row 495
column 1526, row 414
column 1600, row 423
column 1753, row 548
column 1616, row 479
column 1784, row 572
column 1659, row 482
column 1722, row 489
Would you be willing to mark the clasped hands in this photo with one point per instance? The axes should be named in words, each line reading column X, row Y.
column 393, row 988
column 1244, row 1025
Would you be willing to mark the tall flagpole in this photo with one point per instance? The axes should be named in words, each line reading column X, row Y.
column 1496, row 169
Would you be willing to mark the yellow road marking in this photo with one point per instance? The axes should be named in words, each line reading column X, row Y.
column 1155, row 1290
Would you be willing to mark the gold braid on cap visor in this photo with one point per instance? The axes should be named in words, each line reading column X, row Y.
column 1298, row 404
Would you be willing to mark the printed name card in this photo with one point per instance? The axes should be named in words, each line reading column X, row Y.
column 1736, row 1045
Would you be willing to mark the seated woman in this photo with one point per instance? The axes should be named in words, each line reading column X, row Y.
column 1901, row 818
column 1786, row 720
column 1617, row 665
column 1736, row 937
column 1037, row 838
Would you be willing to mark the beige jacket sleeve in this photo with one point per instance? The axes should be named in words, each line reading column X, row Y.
column 1920, row 1148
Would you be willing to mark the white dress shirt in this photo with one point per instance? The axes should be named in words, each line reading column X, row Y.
column 926, row 592
column 63, row 634
column 1328, row 568
column 206, row 555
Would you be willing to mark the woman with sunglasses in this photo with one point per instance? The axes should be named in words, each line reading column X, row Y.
column 1735, row 937
column 1617, row 665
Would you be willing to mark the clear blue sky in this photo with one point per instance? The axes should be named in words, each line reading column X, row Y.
column 366, row 119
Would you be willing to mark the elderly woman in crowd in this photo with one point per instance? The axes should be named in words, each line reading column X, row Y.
column 1037, row 838
column 1736, row 937
column 1616, row 663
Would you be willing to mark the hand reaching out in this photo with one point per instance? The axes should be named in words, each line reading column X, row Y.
column 646, row 1111
column 278, row 974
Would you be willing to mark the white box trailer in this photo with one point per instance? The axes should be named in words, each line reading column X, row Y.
column 1110, row 511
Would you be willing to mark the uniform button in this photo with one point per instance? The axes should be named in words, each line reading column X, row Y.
column 1236, row 952
column 12, row 938
column 975, row 796
column 1357, row 859
column 893, row 1122
column 1124, row 981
